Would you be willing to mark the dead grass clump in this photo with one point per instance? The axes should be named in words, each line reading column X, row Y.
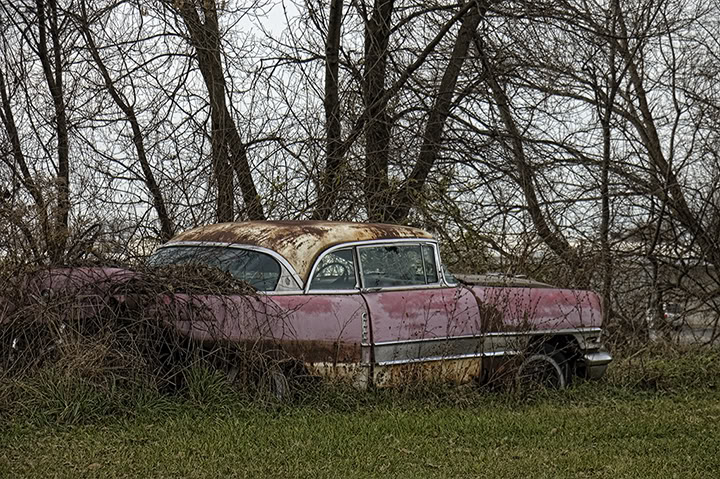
column 670, row 369
column 96, row 323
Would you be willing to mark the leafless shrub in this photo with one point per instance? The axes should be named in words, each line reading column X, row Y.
column 149, row 326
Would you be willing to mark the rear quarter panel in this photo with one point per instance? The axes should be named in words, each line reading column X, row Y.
column 540, row 309
column 312, row 328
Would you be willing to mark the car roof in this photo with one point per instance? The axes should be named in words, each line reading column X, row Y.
column 299, row 242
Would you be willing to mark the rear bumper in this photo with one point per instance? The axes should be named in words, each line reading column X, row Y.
column 595, row 363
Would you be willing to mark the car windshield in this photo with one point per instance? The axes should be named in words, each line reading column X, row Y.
column 261, row 270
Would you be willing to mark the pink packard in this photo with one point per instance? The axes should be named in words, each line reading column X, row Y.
column 373, row 304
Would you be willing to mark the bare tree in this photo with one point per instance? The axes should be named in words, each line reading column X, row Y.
column 167, row 229
column 229, row 152
column 41, row 27
column 334, row 148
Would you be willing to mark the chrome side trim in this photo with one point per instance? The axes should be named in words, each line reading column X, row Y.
column 453, row 357
column 398, row 352
column 280, row 259
column 509, row 333
column 470, row 346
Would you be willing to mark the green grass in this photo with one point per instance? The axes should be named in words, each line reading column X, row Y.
column 595, row 433
column 656, row 414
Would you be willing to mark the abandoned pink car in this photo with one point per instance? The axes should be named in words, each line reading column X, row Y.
column 373, row 304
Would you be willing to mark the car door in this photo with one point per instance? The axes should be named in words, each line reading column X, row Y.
column 415, row 317
column 327, row 326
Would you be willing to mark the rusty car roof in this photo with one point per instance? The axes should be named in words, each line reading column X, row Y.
column 299, row 242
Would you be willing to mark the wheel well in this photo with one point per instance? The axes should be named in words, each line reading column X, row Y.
column 566, row 344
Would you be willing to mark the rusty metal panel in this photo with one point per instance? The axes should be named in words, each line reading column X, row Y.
column 310, row 328
column 357, row 375
column 456, row 371
column 529, row 309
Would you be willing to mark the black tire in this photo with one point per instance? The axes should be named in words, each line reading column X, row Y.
column 274, row 385
column 544, row 368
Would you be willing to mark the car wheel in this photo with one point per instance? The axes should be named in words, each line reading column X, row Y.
column 543, row 369
column 274, row 385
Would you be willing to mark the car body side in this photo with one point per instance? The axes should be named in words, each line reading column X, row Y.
column 382, row 335
column 384, row 324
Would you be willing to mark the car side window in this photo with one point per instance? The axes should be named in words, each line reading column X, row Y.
column 260, row 270
column 397, row 265
column 431, row 272
column 335, row 271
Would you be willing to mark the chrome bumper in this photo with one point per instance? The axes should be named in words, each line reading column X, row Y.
column 595, row 363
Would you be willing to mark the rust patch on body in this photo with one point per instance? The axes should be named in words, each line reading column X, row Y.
column 299, row 242
column 306, row 351
column 456, row 371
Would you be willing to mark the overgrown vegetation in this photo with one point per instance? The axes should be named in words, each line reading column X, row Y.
column 80, row 343
column 70, row 357
column 83, row 341
column 617, row 428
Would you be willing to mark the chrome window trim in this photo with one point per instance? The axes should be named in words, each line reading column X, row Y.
column 359, row 269
column 419, row 242
column 416, row 242
column 441, row 283
column 422, row 259
column 331, row 250
column 413, row 287
column 441, row 269
column 332, row 291
column 435, row 259
column 286, row 269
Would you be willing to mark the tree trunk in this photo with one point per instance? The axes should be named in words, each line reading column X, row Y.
column 53, row 71
column 377, row 120
column 329, row 183
column 606, row 116
column 228, row 150
column 411, row 191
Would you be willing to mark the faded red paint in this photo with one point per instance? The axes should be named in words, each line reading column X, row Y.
column 314, row 328
column 85, row 279
column 542, row 308
column 422, row 314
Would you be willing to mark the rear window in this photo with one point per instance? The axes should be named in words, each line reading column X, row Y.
column 261, row 270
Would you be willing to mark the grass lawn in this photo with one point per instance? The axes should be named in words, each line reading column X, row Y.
column 590, row 431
